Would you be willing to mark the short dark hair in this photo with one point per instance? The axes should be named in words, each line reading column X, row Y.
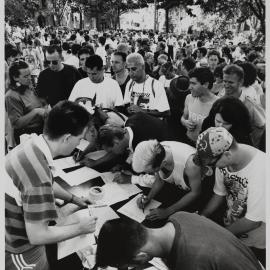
column 54, row 48
column 218, row 70
column 213, row 52
column 203, row 75
column 234, row 69
column 122, row 54
column 14, row 70
column 94, row 61
column 250, row 73
column 102, row 40
column 75, row 48
column 66, row 117
column 84, row 51
column 10, row 51
column 119, row 241
column 202, row 50
column 189, row 63
column 107, row 133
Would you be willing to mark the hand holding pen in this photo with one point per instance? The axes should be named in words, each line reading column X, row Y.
column 142, row 202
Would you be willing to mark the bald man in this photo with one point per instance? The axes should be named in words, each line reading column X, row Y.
column 144, row 93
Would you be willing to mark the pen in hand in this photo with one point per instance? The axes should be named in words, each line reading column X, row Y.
column 78, row 154
column 142, row 201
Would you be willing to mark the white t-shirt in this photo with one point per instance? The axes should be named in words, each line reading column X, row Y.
column 166, row 82
column 108, row 93
column 146, row 96
column 245, row 196
column 102, row 53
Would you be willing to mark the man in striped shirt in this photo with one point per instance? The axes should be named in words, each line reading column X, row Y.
column 30, row 191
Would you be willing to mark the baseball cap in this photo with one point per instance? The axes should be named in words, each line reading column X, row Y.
column 211, row 143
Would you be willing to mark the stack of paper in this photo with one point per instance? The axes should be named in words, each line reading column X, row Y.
column 79, row 176
column 132, row 210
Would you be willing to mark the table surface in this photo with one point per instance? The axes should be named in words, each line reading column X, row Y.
column 168, row 195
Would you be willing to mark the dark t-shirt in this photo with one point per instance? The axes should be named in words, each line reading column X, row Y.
column 83, row 73
column 56, row 86
column 200, row 244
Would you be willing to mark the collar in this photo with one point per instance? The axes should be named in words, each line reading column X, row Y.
column 43, row 146
column 131, row 135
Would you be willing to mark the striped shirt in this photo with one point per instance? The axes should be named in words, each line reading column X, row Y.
column 28, row 191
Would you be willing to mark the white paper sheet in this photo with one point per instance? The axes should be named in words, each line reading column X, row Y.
column 72, row 245
column 96, row 155
column 103, row 214
column 130, row 189
column 79, row 176
column 64, row 163
column 158, row 263
column 132, row 210
column 107, row 177
column 113, row 194
column 83, row 144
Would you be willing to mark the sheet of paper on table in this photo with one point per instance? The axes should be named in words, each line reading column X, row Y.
column 103, row 214
column 67, row 247
column 64, row 163
column 107, row 177
column 83, row 144
column 96, row 155
column 132, row 210
column 158, row 263
column 131, row 189
column 79, row 176
column 113, row 193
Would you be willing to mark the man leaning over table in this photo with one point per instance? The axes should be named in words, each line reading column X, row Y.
column 30, row 191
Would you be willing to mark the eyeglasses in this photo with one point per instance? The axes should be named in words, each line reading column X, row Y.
column 53, row 62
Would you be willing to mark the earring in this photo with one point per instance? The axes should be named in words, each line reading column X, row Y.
column 18, row 84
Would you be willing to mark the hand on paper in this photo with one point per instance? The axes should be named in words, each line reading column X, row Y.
column 88, row 162
column 87, row 224
column 122, row 178
column 157, row 213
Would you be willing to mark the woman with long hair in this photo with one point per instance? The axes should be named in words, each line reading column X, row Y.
column 230, row 113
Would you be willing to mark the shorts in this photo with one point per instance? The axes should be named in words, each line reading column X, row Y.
column 33, row 259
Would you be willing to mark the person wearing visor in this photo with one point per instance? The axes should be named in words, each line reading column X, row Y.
column 240, row 181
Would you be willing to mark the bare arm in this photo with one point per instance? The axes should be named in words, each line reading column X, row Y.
column 215, row 202
column 39, row 233
column 243, row 225
column 193, row 173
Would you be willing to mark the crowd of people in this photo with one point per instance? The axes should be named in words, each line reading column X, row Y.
column 166, row 108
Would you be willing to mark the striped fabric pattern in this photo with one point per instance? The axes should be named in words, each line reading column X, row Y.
column 29, row 195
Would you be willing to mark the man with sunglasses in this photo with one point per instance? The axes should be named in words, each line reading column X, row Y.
column 240, row 180
column 56, row 82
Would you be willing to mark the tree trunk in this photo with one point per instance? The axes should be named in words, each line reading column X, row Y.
column 167, row 20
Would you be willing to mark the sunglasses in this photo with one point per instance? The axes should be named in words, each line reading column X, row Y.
column 53, row 62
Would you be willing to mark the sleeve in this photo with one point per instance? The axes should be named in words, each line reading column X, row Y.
column 38, row 204
column 14, row 109
column 219, row 187
column 118, row 95
column 127, row 93
column 144, row 180
column 160, row 101
column 256, row 195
